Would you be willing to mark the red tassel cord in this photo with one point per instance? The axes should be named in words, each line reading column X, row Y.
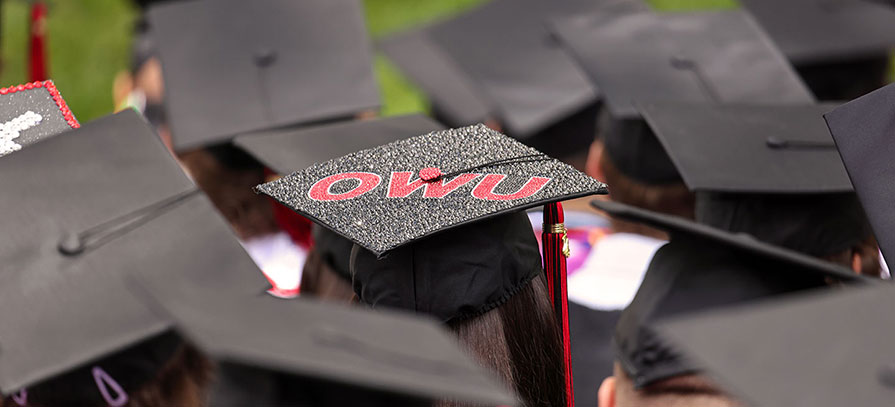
column 296, row 226
column 37, row 62
column 556, row 250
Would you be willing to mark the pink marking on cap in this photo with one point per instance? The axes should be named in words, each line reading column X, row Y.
column 104, row 382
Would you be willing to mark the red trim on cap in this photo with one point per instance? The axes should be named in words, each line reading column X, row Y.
column 54, row 93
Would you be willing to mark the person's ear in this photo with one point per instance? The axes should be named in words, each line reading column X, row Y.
column 606, row 394
column 594, row 155
column 857, row 261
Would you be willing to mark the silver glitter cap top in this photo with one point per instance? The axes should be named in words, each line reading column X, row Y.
column 391, row 195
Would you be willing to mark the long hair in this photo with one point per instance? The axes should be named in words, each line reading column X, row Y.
column 521, row 344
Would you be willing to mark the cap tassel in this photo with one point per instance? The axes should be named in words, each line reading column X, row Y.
column 37, row 67
column 556, row 250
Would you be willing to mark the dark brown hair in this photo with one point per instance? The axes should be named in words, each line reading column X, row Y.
column 520, row 342
column 673, row 199
column 181, row 382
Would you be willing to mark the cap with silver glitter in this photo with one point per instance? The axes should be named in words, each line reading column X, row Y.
column 391, row 195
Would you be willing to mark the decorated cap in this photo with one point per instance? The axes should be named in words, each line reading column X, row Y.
column 336, row 355
column 90, row 208
column 233, row 67
column 702, row 268
column 31, row 112
column 863, row 130
column 823, row 349
column 397, row 193
column 812, row 31
column 719, row 57
column 502, row 54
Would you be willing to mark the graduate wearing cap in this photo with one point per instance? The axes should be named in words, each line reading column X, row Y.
column 325, row 273
column 498, row 64
column 823, row 349
column 702, row 268
column 840, row 49
column 231, row 68
column 437, row 231
column 769, row 171
column 111, row 202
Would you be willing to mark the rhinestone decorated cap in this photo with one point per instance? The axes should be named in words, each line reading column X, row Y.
column 31, row 112
column 391, row 195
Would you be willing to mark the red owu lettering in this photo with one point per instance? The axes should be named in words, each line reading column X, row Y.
column 322, row 190
column 401, row 187
column 485, row 188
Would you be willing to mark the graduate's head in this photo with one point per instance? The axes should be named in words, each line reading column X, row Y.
column 689, row 390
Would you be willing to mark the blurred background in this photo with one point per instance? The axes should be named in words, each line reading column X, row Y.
column 89, row 44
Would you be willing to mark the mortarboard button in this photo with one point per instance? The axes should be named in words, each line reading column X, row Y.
column 886, row 375
column 265, row 57
column 430, row 174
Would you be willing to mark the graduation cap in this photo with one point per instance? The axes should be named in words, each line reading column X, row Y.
column 31, row 112
column 863, row 132
column 234, row 67
column 87, row 209
column 812, row 31
column 719, row 57
column 701, row 268
column 500, row 61
column 824, row 350
column 770, row 171
column 440, row 197
column 335, row 355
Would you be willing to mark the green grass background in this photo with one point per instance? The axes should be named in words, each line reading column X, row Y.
column 89, row 42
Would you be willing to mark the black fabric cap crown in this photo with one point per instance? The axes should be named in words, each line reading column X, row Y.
column 702, row 268
column 636, row 152
column 391, row 195
column 461, row 273
column 864, row 130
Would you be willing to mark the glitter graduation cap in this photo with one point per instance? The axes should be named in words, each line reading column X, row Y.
column 391, row 195
column 406, row 192
column 810, row 31
column 31, row 112
column 863, row 130
column 719, row 57
column 702, row 268
column 822, row 349
column 232, row 67
column 492, row 59
column 88, row 209
column 335, row 354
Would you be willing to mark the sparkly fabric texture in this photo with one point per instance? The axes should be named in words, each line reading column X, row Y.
column 39, row 101
column 381, row 206
column 12, row 129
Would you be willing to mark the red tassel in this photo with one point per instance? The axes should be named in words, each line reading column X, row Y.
column 555, row 242
column 37, row 63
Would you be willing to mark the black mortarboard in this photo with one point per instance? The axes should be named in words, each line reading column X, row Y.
column 32, row 112
column 87, row 209
column 233, row 67
column 337, row 355
column 501, row 56
column 810, row 31
column 294, row 150
column 821, row 350
column 770, row 171
column 701, row 268
column 863, row 130
column 721, row 57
